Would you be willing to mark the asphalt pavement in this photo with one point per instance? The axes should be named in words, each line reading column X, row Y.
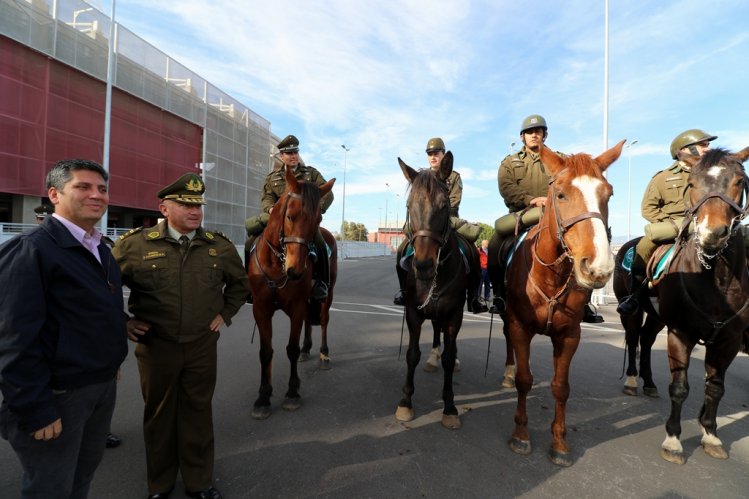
column 344, row 441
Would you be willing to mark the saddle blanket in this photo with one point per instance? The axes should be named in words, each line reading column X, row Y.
column 662, row 265
column 410, row 252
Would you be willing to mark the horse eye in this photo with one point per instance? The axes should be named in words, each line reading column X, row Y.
column 560, row 195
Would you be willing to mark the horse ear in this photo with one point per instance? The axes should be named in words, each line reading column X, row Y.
column 608, row 157
column 743, row 154
column 291, row 181
column 551, row 160
column 446, row 165
column 408, row 172
column 327, row 187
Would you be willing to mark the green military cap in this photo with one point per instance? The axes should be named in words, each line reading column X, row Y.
column 289, row 144
column 435, row 144
column 188, row 189
column 533, row 121
column 688, row 138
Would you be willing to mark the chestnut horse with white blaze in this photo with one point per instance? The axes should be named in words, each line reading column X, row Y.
column 551, row 276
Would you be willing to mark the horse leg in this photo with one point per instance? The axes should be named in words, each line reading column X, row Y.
column 450, row 417
column 650, row 331
column 678, row 390
column 261, row 407
column 324, row 363
column 508, row 378
column 433, row 361
column 715, row 372
column 304, row 355
column 632, row 336
column 293, row 400
column 520, row 442
column 405, row 411
column 564, row 349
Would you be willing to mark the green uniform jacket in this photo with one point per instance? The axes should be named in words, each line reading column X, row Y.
column 179, row 299
column 454, row 192
column 665, row 194
column 522, row 177
column 275, row 185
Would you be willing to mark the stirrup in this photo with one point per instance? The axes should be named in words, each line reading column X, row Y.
column 498, row 305
column 628, row 306
column 476, row 306
column 399, row 298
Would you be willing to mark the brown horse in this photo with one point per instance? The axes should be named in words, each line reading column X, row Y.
column 550, row 279
column 640, row 330
column 703, row 296
column 280, row 271
column 437, row 281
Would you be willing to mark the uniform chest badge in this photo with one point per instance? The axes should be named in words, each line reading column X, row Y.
column 212, row 251
column 154, row 254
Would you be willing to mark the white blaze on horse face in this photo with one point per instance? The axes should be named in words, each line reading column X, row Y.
column 715, row 171
column 604, row 261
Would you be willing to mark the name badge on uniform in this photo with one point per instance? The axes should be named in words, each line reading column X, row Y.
column 154, row 254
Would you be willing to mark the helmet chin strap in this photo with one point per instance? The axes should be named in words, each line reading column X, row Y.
column 693, row 150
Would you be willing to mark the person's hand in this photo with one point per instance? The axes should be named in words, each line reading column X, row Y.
column 216, row 323
column 539, row 202
column 137, row 328
column 50, row 431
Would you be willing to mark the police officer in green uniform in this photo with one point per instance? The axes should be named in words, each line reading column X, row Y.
column 664, row 201
column 523, row 182
column 274, row 188
column 435, row 152
column 185, row 283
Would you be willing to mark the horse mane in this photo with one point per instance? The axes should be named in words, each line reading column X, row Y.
column 428, row 181
column 310, row 196
column 711, row 158
column 580, row 164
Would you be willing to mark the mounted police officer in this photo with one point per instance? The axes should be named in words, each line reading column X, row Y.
column 274, row 188
column 523, row 182
column 435, row 152
column 664, row 201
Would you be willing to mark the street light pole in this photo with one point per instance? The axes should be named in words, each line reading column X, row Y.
column 629, row 188
column 343, row 205
column 512, row 148
column 386, row 213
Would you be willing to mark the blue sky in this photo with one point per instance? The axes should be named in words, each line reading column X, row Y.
column 384, row 77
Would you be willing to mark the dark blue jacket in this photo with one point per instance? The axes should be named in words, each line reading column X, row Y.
column 62, row 321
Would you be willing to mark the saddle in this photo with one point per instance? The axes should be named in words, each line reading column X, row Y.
column 657, row 265
column 463, row 246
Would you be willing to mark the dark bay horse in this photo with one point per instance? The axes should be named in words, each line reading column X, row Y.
column 640, row 330
column 437, row 281
column 703, row 296
column 280, row 272
column 550, row 278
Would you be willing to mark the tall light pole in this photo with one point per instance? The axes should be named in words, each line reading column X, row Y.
column 343, row 205
column 386, row 211
column 512, row 148
column 629, row 188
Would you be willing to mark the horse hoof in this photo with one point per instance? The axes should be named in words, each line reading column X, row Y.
column 429, row 367
column 292, row 403
column 260, row 412
column 508, row 382
column 673, row 456
column 520, row 446
column 630, row 390
column 560, row 458
column 651, row 392
column 404, row 414
column 456, row 369
column 451, row 421
column 324, row 364
column 716, row 451
column 303, row 356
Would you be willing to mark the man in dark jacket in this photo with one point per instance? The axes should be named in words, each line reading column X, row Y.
column 62, row 337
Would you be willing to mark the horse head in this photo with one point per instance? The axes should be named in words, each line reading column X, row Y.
column 428, row 215
column 577, row 203
column 298, row 220
column 717, row 194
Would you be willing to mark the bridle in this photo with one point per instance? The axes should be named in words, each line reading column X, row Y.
column 280, row 253
column 690, row 216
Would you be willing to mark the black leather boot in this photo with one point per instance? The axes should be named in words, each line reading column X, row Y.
column 630, row 304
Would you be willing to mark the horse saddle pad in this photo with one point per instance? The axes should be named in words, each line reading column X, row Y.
column 658, row 262
column 514, row 247
column 409, row 252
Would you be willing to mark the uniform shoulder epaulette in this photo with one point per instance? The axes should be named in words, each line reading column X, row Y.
column 211, row 234
column 130, row 233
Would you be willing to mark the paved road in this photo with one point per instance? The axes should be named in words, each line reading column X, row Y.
column 344, row 442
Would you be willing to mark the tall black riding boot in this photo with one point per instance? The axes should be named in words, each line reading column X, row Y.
column 630, row 304
column 400, row 298
column 248, row 243
column 475, row 305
